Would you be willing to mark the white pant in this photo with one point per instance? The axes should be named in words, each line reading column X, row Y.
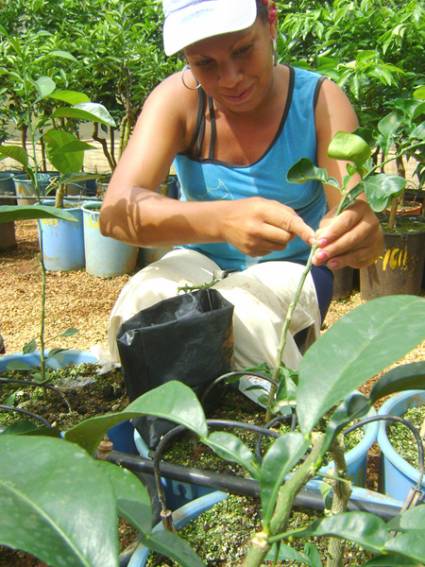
column 261, row 295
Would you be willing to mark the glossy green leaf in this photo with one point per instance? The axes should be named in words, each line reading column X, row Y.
column 71, row 97
column 362, row 528
column 65, row 151
column 389, row 125
column 350, row 197
column 418, row 133
column 411, row 544
column 174, row 401
column 354, row 406
column 419, row 93
column 305, row 170
column 172, row 546
column 25, row 212
column 15, row 152
column 279, row 460
column 230, row 448
column 355, row 348
column 87, row 111
column 29, row 347
column 62, row 55
column 380, row 189
column 132, row 496
column 413, row 519
column 69, row 332
column 287, row 553
column 405, row 377
column 45, row 86
column 391, row 560
column 349, row 147
column 313, row 554
column 61, row 506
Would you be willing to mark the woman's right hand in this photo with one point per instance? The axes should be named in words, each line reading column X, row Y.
column 258, row 226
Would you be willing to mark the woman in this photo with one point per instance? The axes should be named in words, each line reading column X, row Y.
column 234, row 121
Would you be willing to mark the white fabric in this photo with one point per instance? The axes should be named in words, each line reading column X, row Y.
column 189, row 21
column 261, row 295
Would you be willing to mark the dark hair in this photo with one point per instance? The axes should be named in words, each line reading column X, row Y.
column 262, row 11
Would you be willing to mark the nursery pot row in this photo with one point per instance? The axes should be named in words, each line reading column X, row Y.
column 75, row 245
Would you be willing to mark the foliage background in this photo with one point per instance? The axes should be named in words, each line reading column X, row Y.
column 372, row 48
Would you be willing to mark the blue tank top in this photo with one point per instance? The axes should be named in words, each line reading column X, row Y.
column 211, row 180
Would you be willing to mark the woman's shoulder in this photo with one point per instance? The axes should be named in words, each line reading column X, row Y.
column 172, row 101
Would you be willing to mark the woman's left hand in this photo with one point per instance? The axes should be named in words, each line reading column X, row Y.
column 353, row 238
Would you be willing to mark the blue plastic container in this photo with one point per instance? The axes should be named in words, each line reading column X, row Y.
column 398, row 476
column 60, row 360
column 181, row 518
column 62, row 242
column 105, row 257
column 25, row 191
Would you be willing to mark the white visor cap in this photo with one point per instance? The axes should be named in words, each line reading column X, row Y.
column 189, row 21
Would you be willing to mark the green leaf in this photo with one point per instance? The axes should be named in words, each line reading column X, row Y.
column 419, row 93
column 231, row 448
column 30, row 347
column 409, row 544
column 15, row 152
column 349, row 147
column 362, row 528
column 350, row 197
column 69, row 332
column 279, row 460
column 305, row 170
column 171, row 545
column 62, row 55
column 388, row 126
column 354, row 406
column 313, row 554
column 61, row 509
column 174, row 401
column 355, row 348
column 25, row 212
column 419, row 132
column 65, row 151
column 391, row 560
column 289, row 554
column 45, row 86
column 381, row 188
column 131, row 494
column 405, row 377
column 71, row 97
column 412, row 519
column 87, row 111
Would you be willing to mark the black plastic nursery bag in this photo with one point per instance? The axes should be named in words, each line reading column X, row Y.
column 188, row 338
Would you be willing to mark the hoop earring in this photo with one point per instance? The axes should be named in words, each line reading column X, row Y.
column 198, row 85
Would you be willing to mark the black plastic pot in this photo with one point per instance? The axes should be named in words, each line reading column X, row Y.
column 343, row 283
column 400, row 270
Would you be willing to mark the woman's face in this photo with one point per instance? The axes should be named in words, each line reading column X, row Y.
column 236, row 69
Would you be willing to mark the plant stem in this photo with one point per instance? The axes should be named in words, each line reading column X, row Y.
column 285, row 329
column 261, row 544
column 341, row 495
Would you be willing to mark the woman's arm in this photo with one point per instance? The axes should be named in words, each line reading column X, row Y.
column 134, row 212
column 355, row 237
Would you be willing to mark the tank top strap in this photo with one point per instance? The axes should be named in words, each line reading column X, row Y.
column 195, row 147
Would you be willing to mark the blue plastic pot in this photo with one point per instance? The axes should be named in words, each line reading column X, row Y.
column 180, row 493
column 7, row 187
column 62, row 242
column 181, row 518
column 398, row 476
column 60, row 360
column 25, row 191
column 105, row 257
